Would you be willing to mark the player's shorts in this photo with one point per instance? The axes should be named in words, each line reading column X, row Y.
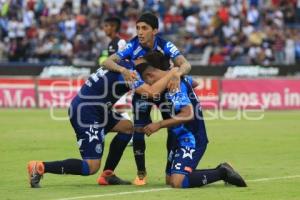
column 183, row 160
column 91, row 123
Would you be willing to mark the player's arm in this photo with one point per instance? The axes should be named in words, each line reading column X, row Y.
column 186, row 114
column 180, row 62
column 159, row 86
column 183, row 64
column 111, row 64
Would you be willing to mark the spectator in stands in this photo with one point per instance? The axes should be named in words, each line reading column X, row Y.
column 248, row 22
column 253, row 15
column 278, row 47
column 66, row 50
column 290, row 49
column 217, row 57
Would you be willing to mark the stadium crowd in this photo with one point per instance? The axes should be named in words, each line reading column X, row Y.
column 228, row 32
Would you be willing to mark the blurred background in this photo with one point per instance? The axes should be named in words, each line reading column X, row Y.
column 220, row 38
column 211, row 31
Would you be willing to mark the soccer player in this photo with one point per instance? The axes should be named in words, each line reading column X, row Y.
column 111, row 28
column 187, row 138
column 146, row 40
column 92, row 118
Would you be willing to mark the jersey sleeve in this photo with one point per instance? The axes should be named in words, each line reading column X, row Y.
column 171, row 50
column 189, row 80
column 121, row 45
column 126, row 52
column 137, row 83
column 179, row 99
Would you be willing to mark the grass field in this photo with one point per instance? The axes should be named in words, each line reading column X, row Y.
column 268, row 148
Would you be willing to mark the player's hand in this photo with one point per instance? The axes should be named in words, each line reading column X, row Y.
column 174, row 83
column 151, row 128
column 129, row 76
column 139, row 61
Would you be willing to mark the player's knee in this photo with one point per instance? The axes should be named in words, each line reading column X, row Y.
column 175, row 184
column 128, row 127
column 94, row 170
column 94, row 166
column 176, row 181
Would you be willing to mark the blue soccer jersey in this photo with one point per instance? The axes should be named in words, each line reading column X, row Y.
column 193, row 132
column 186, row 142
column 90, row 111
column 135, row 50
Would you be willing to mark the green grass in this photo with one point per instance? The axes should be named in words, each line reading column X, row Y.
column 258, row 149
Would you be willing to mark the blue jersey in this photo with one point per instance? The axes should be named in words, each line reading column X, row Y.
column 90, row 111
column 106, row 87
column 135, row 50
column 191, row 134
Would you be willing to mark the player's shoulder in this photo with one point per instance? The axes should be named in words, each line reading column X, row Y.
column 163, row 42
column 168, row 47
column 134, row 41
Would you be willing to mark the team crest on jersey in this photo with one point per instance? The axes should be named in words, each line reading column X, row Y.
column 98, row 148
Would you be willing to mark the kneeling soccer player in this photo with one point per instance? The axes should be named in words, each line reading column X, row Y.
column 92, row 118
column 187, row 139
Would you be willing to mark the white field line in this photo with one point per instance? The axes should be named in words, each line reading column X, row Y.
column 116, row 194
column 166, row 188
column 274, row 178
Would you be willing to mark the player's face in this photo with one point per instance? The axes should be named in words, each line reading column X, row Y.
column 145, row 33
column 151, row 76
column 108, row 29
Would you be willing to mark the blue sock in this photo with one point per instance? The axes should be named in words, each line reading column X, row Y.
column 116, row 149
column 85, row 168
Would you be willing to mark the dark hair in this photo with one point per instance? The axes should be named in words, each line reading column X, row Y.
column 149, row 19
column 157, row 60
column 114, row 20
column 141, row 68
column 154, row 59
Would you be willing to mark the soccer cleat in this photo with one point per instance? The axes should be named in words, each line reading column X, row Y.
column 231, row 176
column 35, row 172
column 140, row 179
column 108, row 177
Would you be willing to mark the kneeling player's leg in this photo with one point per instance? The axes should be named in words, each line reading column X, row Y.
column 183, row 173
column 117, row 146
column 198, row 178
column 118, row 143
column 36, row 169
column 90, row 138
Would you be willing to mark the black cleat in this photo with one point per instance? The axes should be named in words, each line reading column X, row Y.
column 231, row 176
column 109, row 178
column 114, row 180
